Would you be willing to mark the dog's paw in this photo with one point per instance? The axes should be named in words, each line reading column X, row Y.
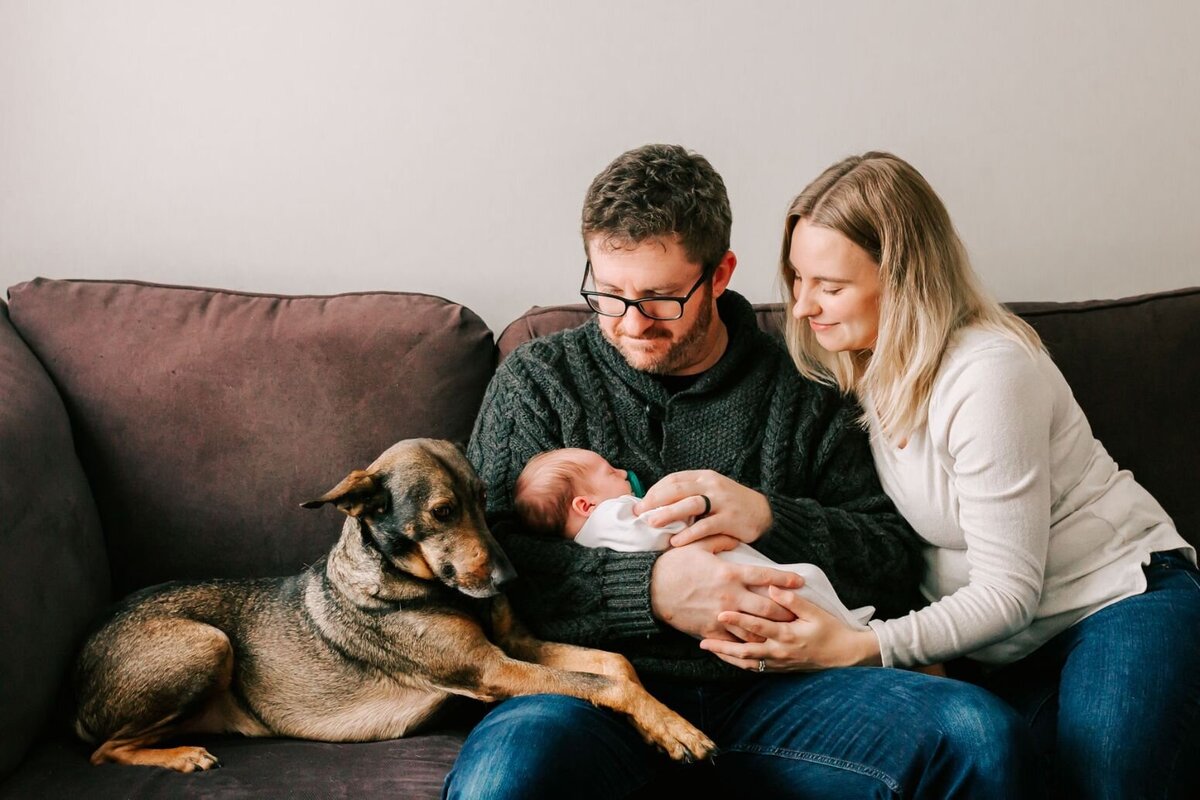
column 184, row 759
column 180, row 759
column 679, row 739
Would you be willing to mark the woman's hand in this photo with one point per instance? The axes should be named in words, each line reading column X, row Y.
column 719, row 505
column 814, row 640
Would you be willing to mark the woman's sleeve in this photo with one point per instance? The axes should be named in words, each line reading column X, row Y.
column 993, row 409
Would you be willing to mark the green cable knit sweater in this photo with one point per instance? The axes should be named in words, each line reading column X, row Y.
column 751, row 417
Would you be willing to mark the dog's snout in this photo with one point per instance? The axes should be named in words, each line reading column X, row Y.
column 502, row 569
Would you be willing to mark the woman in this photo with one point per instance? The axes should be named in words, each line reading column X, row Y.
column 1056, row 571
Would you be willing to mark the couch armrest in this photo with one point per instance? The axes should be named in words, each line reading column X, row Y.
column 54, row 574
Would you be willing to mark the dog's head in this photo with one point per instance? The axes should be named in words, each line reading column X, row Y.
column 421, row 506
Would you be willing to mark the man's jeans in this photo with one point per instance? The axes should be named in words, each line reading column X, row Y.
column 1114, row 700
column 858, row 733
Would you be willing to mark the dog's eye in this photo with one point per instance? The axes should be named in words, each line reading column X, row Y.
column 442, row 512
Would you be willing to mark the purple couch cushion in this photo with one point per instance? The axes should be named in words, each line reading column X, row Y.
column 1133, row 364
column 204, row 418
column 260, row 768
column 541, row 320
column 53, row 570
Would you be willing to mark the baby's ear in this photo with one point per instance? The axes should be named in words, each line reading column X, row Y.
column 583, row 505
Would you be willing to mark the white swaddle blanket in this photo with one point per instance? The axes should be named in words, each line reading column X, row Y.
column 614, row 525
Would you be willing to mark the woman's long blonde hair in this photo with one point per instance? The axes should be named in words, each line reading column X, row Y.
column 928, row 289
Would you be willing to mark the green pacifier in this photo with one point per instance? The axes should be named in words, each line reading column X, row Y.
column 635, row 484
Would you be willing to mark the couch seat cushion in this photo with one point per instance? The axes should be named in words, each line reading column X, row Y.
column 411, row 768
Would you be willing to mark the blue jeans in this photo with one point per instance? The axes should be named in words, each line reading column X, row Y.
column 858, row 733
column 1114, row 700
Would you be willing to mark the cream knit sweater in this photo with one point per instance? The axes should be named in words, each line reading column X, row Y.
column 1031, row 525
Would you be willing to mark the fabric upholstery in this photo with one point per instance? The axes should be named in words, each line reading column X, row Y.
column 201, row 418
column 204, row 418
column 53, row 568
column 264, row 769
column 1134, row 366
column 541, row 320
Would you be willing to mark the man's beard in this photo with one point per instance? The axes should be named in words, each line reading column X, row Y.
column 682, row 354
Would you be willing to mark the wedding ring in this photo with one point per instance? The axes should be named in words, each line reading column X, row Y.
column 762, row 665
column 707, row 505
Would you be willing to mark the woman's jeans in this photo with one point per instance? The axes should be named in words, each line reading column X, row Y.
column 859, row 733
column 1114, row 700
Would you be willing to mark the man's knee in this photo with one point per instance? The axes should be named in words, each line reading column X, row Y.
column 536, row 712
column 980, row 738
column 535, row 746
column 974, row 722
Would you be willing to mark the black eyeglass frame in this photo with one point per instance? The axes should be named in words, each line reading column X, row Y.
column 587, row 296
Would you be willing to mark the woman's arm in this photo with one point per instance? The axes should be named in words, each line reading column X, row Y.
column 993, row 411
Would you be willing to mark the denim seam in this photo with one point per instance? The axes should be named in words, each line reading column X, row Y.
column 1188, row 731
column 1166, row 565
column 1192, row 575
column 799, row 755
column 1041, row 705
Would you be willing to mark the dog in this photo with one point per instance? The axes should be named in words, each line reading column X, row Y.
column 366, row 644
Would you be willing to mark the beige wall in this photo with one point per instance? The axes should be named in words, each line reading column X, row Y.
column 318, row 147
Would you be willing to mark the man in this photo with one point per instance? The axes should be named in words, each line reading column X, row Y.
column 673, row 374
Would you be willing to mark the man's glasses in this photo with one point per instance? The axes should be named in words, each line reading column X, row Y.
column 659, row 308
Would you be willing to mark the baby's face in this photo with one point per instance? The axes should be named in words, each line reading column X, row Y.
column 602, row 481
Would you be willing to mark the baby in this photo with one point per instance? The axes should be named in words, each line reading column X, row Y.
column 578, row 494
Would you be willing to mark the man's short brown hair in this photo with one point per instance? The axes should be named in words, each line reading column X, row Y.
column 660, row 190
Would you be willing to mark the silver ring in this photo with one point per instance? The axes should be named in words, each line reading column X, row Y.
column 762, row 665
column 707, row 505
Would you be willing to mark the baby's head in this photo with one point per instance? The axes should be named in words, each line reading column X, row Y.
column 558, row 490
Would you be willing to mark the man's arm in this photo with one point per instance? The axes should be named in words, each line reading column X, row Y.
column 564, row 592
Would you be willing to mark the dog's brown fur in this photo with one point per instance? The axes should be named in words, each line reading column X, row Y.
column 364, row 645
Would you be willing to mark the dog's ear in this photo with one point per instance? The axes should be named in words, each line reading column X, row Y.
column 415, row 564
column 359, row 493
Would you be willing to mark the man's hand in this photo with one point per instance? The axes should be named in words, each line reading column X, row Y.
column 732, row 509
column 690, row 586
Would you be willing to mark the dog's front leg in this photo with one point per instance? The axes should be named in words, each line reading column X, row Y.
column 518, row 642
column 480, row 669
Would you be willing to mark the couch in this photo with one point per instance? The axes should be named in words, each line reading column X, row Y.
column 152, row 432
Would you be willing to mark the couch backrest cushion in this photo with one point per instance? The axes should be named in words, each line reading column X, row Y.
column 1133, row 364
column 53, row 571
column 541, row 320
column 203, row 418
